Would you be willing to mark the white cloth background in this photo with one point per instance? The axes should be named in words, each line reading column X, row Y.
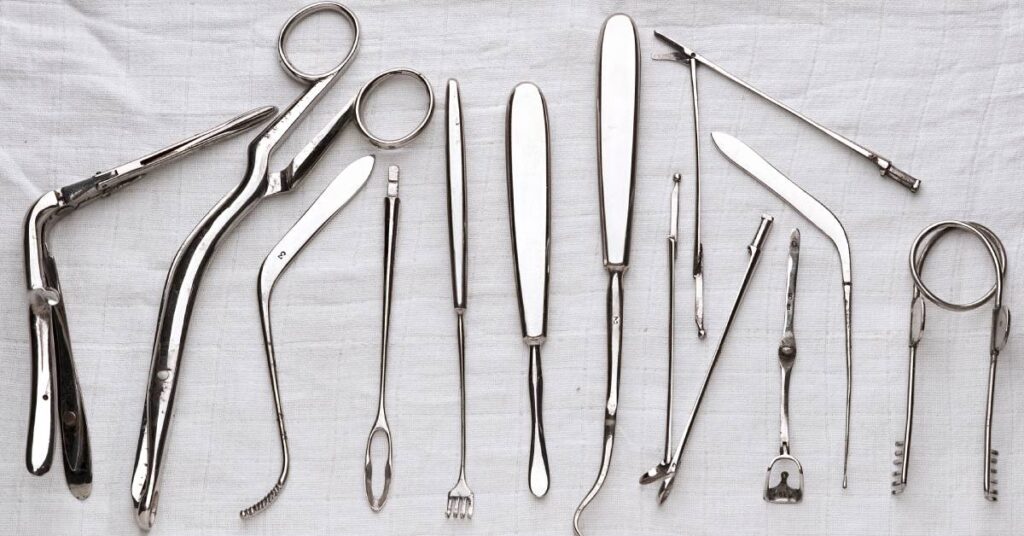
column 935, row 87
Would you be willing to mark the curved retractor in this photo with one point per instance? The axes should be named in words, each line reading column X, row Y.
column 333, row 198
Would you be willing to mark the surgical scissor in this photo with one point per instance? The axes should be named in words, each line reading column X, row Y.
column 194, row 257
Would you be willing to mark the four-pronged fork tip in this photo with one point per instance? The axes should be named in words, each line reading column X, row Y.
column 460, row 502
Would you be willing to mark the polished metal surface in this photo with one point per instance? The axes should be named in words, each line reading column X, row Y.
column 56, row 396
column 618, row 94
column 380, row 425
column 190, row 263
column 460, row 498
column 782, row 491
column 529, row 198
column 666, row 472
column 698, row 247
column 886, row 168
column 1000, row 332
column 822, row 218
column 673, row 238
column 337, row 194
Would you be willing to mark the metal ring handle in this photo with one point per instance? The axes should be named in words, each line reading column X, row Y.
column 299, row 16
column 367, row 89
column 931, row 234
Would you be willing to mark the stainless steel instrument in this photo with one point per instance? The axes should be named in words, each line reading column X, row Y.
column 698, row 247
column 460, row 498
column 673, row 236
column 191, row 261
column 56, row 396
column 886, row 168
column 666, row 472
column 380, row 425
column 529, row 199
column 782, row 491
column 337, row 194
column 822, row 218
column 618, row 94
column 997, row 341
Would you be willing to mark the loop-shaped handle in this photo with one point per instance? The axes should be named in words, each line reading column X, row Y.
column 931, row 234
column 299, row 16
column 367, row 89
column 376, row 503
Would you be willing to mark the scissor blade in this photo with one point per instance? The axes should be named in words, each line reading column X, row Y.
column 812, row 209
column 529, row 197
column 617, row 97
column 337, row 194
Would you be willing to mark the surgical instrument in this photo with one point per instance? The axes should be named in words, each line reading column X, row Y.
column 673, row 235
column 192, row 260
column 380, row 426
column 460, row 498
column 885, row 166
column 698, row 247
column 666, row 472
column 529, row 201
column 337, row 194
column 997, row 341
column 56, row 394
column 782, row 492
column 618, row 94
column 822, row 218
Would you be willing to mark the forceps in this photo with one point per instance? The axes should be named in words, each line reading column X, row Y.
column 342, row 189
column 885, row 166
column 997, row 340
column 673, row 236
column 191, row 261
column 56, row 396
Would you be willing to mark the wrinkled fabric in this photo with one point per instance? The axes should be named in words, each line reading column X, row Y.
column 937, row 88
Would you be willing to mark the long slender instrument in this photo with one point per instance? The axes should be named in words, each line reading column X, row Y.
column 460, row 498
column 885, row 166
column 380, row 425
column 529, row 198
column 822, row 218
column 698, row 247
column 618, row 97
column 783, row 492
